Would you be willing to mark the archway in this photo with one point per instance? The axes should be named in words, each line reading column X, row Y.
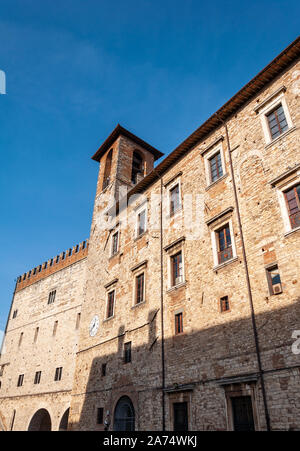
column 107, row 169
column 124, row 417
column 40, row 421
column 63, row 425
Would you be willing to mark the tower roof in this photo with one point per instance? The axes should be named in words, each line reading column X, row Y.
column 119, row 130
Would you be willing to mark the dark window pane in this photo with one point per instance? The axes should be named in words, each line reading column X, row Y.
column 180, row 412
column 242, row 413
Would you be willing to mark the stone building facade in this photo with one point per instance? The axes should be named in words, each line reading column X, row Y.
column 189, row 291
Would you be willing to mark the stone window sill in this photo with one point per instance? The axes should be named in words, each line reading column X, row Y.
column 141, row 235
column 274, row 141
column 137, row 305
column 216, row 181
column 221, row 265
column 296, row 229
column 182, row 284
column 108, row 319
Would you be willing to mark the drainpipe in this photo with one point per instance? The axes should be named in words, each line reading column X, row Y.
column 258, row 355
column 162, row 304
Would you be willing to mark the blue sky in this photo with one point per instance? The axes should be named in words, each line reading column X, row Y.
column 76, row 68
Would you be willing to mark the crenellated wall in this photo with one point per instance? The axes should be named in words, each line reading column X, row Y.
column 62, row 260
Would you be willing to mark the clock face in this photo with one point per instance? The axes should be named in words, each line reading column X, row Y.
column 94, row 325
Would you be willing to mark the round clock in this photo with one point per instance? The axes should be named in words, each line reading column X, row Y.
column 94, row 324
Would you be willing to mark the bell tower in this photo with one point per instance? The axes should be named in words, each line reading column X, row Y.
column 124, row 161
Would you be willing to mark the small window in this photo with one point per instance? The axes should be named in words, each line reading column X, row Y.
column 110, row 304
column 100, row 415
column 141, row 223
column 137, row 172
column 277, row 122
column 224, row 304
column 115, row 243
column 20, row 339
column 36, row 333
column 292, row 197
column 78, row 320
column 177, row 269
column 175, row 203
column 180, row 413
column 215, row 166
column 107, row 170
column 58, row 374
column 103, row 369
column 55, row 328
column 274, row 280
column 51, row 297
column 15, row 314
column 139, row 287
column 127, row 352
column 178, row 323
column 224, row 244
column 20, row 380
column 37, row 377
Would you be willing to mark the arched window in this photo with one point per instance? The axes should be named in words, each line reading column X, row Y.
column 124, row 417
column 106, row 177
column 137, row 167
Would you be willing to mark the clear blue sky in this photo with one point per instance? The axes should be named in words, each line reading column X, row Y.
column 75, row 68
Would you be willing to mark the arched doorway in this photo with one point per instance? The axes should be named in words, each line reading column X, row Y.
column 63, row 425
column 124, row 417
column 40, row 421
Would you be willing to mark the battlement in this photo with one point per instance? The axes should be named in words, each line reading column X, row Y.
column 60, row 261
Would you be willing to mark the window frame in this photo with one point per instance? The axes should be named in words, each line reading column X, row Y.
column 127, row 352
column 227, row 302
column 20, row 380
column 178, row 320
column 58, row 374
column 214, row 230
column 267, row 109
column 281, row 189
column 172, row 275
column 268, row 269
column 37, row 377
column 112, row 251
column 136, row 277
column 208, row 156
column 139, row 210
column 112, row 290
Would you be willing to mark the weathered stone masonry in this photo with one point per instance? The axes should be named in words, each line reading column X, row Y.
column 217, row 367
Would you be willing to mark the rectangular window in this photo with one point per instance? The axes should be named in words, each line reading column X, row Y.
column 58, row 374
column 15, row 314
column 174, row 199
column 178, row 323
column 110, row 304
column 103, row 369
column 55, row 328
column 115, row 243
column 180, row 415
column 20, row 380
column 141, row 222
column 37, row 377
column 274, row 280
column 139, row 287
column 51, row 297
column 277, row 122
column 224, row 304
column 36, row 333
column 127, row 352
column 292, row 197
column 215, row 166
column 176, row 268
column 100, row 415
column 20, row 339
column 224, row 244
column 78, row 320
column 242, row 413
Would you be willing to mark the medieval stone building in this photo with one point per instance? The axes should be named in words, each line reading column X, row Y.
column 182, row 310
